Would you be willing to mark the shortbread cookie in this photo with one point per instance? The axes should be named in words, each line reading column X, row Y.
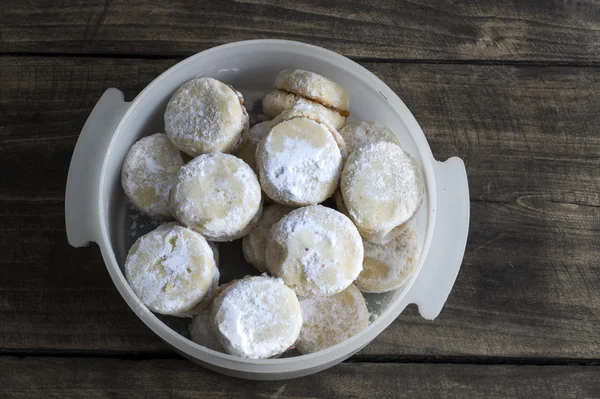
column 360, row 133
column 257, row 317
column 382, row 187
column 148, row 173
column 206, row 116
column 329, row 320
column 386, row 267
column 277, row 101
column 202, row 331
column 247, row 152
column 314, row 87
column 254, row 243
column 299, row 162
column 171, row 269
column 315, row 250
column 217, row 195
column 212, row 291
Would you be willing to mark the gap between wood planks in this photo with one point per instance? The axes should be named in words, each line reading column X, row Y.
column 584, row 64
column 398, row 359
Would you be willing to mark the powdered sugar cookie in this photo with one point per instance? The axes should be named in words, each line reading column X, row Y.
column 255, row 242
column 299, row 162
column 148, row 174
column 360, row 133
column 257, row 317
column 171, row 269
column 247, row 151
column 329, row 320
column 315, row 250
column 217, row 195
column 206, row 116
column 382, row 187
column 202, row 331
column 314, row 87
column 386, row 267
column 277, row 101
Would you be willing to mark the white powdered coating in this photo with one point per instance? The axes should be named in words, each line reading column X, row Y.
column 299, row 163
column 217, row 195
column 205, row 116
column 382, row 187
column 277, row 101
column 254, row 244
column 170, row 269
column 314, row 87
column 386, row 267
column 148, row 173
column 361, row 133
column 307, row 109
column 202, row 331
column 315, row 250
column 257, row 317
column 247, row 152
column 329, row 320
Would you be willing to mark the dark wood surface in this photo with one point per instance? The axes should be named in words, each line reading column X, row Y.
column 526, row 124
column 51, row 377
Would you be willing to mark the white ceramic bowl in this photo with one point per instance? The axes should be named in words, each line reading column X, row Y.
column 96, row 207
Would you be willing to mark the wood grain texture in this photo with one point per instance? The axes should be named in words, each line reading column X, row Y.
column 114, row 378
column 528, row 286
column 565, row 31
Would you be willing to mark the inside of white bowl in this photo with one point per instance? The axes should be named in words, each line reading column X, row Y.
column 253, row 75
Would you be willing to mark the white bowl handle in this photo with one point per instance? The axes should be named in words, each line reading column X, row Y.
column 443, row 261
column 83, row 182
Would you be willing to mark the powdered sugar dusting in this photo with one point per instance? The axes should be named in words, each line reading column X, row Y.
column 315, row 250
column 170, row 269
column 257, row 317
column 386, row 267
column 382, row 187
column 299, row 162
column 329, row 320
column 217, row 194
column 204, row 116
column 360, row 133
column 148, row 173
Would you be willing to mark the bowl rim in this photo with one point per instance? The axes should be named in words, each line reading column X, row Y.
column 321, row 358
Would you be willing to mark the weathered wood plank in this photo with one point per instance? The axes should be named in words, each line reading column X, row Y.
column 528, row 283
column 386, row 29
column 33, row 377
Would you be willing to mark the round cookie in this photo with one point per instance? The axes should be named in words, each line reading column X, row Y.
column 202, row 331
column 299, row 162
column 315, row 250
column 387, row 267
column 254, row 244
column 329, row 320
column 205, row 116
column 277, row 101
column 382, row 187
column 314, row 87
column 361, row 133
column 217, row 195
column 247, row 152
column 257, row 317
column 171, row 269
column 148, row 173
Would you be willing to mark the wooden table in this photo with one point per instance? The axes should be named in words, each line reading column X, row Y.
column 513, row 88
